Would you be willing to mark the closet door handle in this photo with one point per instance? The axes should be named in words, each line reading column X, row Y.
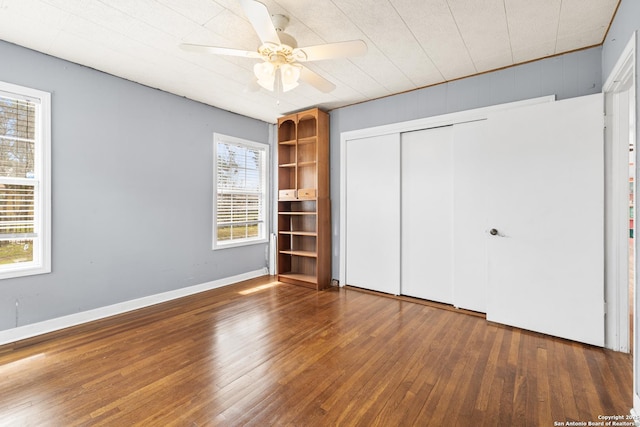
column 493, row 232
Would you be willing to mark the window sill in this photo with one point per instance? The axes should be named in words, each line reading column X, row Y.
column 23, row 270
column 239, row 243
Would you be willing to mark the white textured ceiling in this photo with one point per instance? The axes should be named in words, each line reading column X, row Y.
column 412, row 43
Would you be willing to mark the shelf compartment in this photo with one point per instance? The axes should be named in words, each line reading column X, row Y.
column 299, row 242
column 287, row 131
column 297, row 206
column 306, row 180
column 286, row 154
column 298, row 279
column 306, row 153
column 287, row 178
column 300, row 268
column 307, row 126
column 298, row 225
column 287, row 172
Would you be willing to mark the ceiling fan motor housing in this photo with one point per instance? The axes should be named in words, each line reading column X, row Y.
column 283, row 53
column 280, row 22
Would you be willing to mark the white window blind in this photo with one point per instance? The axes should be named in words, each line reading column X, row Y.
column 241, row 198
column 24, row 148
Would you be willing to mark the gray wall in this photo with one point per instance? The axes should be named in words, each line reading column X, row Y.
column 132, row 191
column 566, row 76
column 626, row 21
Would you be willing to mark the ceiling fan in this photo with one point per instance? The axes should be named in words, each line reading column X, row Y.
column 281, row 68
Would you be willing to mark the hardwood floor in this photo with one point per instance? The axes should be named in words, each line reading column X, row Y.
column 264, row 353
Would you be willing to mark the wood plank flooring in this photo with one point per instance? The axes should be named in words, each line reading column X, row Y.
column 264, row 353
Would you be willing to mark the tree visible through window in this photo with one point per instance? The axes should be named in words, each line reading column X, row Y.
column 17, row 141
column 22, row 190
column 240, row 199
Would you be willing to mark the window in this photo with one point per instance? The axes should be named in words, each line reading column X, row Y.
column 25, row 143
column 240, row 200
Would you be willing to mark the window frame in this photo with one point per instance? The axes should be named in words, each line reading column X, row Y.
column 41, row 262
column 264, row 192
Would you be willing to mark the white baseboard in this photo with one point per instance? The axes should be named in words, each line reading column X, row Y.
column 34, row 329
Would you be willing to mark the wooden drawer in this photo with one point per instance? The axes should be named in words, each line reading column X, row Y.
column 286, row 194
column 307, row 193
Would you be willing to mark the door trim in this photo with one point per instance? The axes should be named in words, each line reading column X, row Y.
column 617, row 259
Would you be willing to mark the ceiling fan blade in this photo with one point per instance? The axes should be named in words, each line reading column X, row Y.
column 316, row 80
column 219, row 50
column 330, row 51
column 260, row 18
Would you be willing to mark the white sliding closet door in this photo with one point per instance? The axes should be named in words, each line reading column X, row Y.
column 373, row 213
column 546, row 202
column 427, row 217
column 470, row 156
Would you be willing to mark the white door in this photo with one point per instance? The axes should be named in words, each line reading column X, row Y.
column 427, row 220
column 470, row 157
column 373, row 213
column 546, row 202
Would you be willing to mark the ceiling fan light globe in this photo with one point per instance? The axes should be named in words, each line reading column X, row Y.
column 289, row 75
column 267, row 84
column 288, row 87
column 264, row 70
column 265, row 73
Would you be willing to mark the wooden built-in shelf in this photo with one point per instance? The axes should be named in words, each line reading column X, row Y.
column 304, row 223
